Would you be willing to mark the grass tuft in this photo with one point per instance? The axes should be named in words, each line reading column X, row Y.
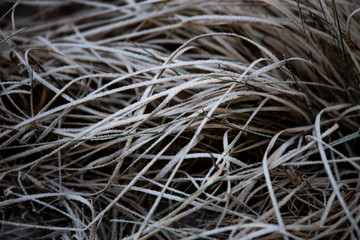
column 179, row 119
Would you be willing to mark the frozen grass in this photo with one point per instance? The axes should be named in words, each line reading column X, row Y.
column 180, row 119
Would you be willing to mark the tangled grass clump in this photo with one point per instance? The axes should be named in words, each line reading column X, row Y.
column 180, row 119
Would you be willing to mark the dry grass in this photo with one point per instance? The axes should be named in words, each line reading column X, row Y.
column 180, row 119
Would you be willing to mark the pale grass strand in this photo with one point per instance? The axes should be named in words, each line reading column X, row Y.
column 327, row 166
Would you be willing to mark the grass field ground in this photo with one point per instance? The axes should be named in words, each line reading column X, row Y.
column 180, row 119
